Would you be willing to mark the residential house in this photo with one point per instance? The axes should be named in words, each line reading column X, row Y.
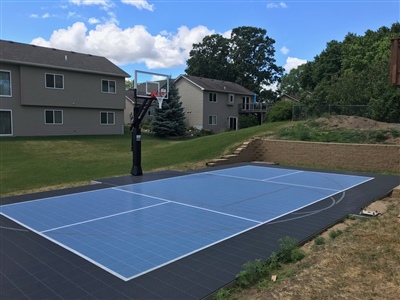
column 289, row 98
column 214, row 104
column 46, row 92
column 130, row 104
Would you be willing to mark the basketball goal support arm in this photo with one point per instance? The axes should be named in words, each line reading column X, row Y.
column 139, row 112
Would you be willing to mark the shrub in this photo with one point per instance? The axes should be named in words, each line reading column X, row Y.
column 335, row 233
column 395, row 133
column 319, row 240
column 253, row 271
column 222, row 294
column 281, row 111
column 246, row 121
column 289, row 251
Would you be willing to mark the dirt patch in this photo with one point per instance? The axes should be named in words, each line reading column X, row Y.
column 354, row 123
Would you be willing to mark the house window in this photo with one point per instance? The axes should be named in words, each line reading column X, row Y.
column 5, row 83
column 107, row 118
column 53, row 116
column 54, row 81
column 108, row 86
column 231, row 99
column 246, row 102
column 212, row 120
column 5, row 122
column 212, row 97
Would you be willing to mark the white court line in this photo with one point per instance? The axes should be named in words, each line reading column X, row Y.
column 193, row 252
column 306, row 186
column 193, row 206
column 104, row 217
column 266, row 179
column 52, row 197
column 278, row 182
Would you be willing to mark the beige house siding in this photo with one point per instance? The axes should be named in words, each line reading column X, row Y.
column 192, row 102
column 194, row 92
column 128, row 112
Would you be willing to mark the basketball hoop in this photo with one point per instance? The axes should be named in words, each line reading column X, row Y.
column 160, row 96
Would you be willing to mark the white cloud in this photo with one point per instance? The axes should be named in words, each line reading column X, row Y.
column 90, row 2
column 276, row 5
column 139, row 4
column 71, row 14
column 293, row 63
column 103, row 3
column 44, row 16
column 284, row 50
column 112, row 18
column 130, row 45
column 93, row 21
column 283, row 5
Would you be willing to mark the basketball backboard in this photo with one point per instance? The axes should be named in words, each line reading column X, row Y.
column 395, row 62
column 146, row 83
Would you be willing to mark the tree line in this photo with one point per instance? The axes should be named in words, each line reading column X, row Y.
column 355, row 71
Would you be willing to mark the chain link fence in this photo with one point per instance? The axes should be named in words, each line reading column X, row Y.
column 301, row 112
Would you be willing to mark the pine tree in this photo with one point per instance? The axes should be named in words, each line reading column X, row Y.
column 170, row 119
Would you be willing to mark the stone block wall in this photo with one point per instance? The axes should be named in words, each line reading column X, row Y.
column 356, row 157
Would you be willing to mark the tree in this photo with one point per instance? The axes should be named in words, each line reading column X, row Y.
column 170, row 119
column 209, row 59
column 252, row 53
column 128, row 84
column 247, row 58
column 290, row 83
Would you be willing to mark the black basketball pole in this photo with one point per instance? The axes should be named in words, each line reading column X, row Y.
column 136, row 140
column 137, row 151
column 139, row 112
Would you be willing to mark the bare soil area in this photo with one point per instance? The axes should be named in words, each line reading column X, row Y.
column 354, row 123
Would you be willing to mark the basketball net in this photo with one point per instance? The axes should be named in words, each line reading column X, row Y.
column 160, row 96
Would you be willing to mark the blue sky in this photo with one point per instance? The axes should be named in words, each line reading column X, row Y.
column 158, row 35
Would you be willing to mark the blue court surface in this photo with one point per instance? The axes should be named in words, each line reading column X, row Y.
column 133, row 229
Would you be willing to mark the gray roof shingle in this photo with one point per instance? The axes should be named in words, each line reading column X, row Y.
column 26, row 54
column 215, row 85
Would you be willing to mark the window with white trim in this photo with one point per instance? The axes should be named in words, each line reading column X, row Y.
column 212, row 120
column 108, row 86
column 5, row 83
column 246, row 102
column 53, row 117
column 212, row 97
column 107, row 118
column 54, row 81
column 5, row 122
column 231, row 99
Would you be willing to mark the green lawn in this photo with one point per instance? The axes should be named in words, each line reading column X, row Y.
column 32, row 164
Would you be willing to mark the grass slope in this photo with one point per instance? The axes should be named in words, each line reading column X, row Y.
column 33, row 164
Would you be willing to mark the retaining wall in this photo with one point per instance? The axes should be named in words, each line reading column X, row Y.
column 356, row 157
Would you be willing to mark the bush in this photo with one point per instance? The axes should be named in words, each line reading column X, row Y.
column 253, row 271
column 246, row 121
column 194, row 132
column 319, row 240
column 289, row 251
column 335, row 233
column 281, row 111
